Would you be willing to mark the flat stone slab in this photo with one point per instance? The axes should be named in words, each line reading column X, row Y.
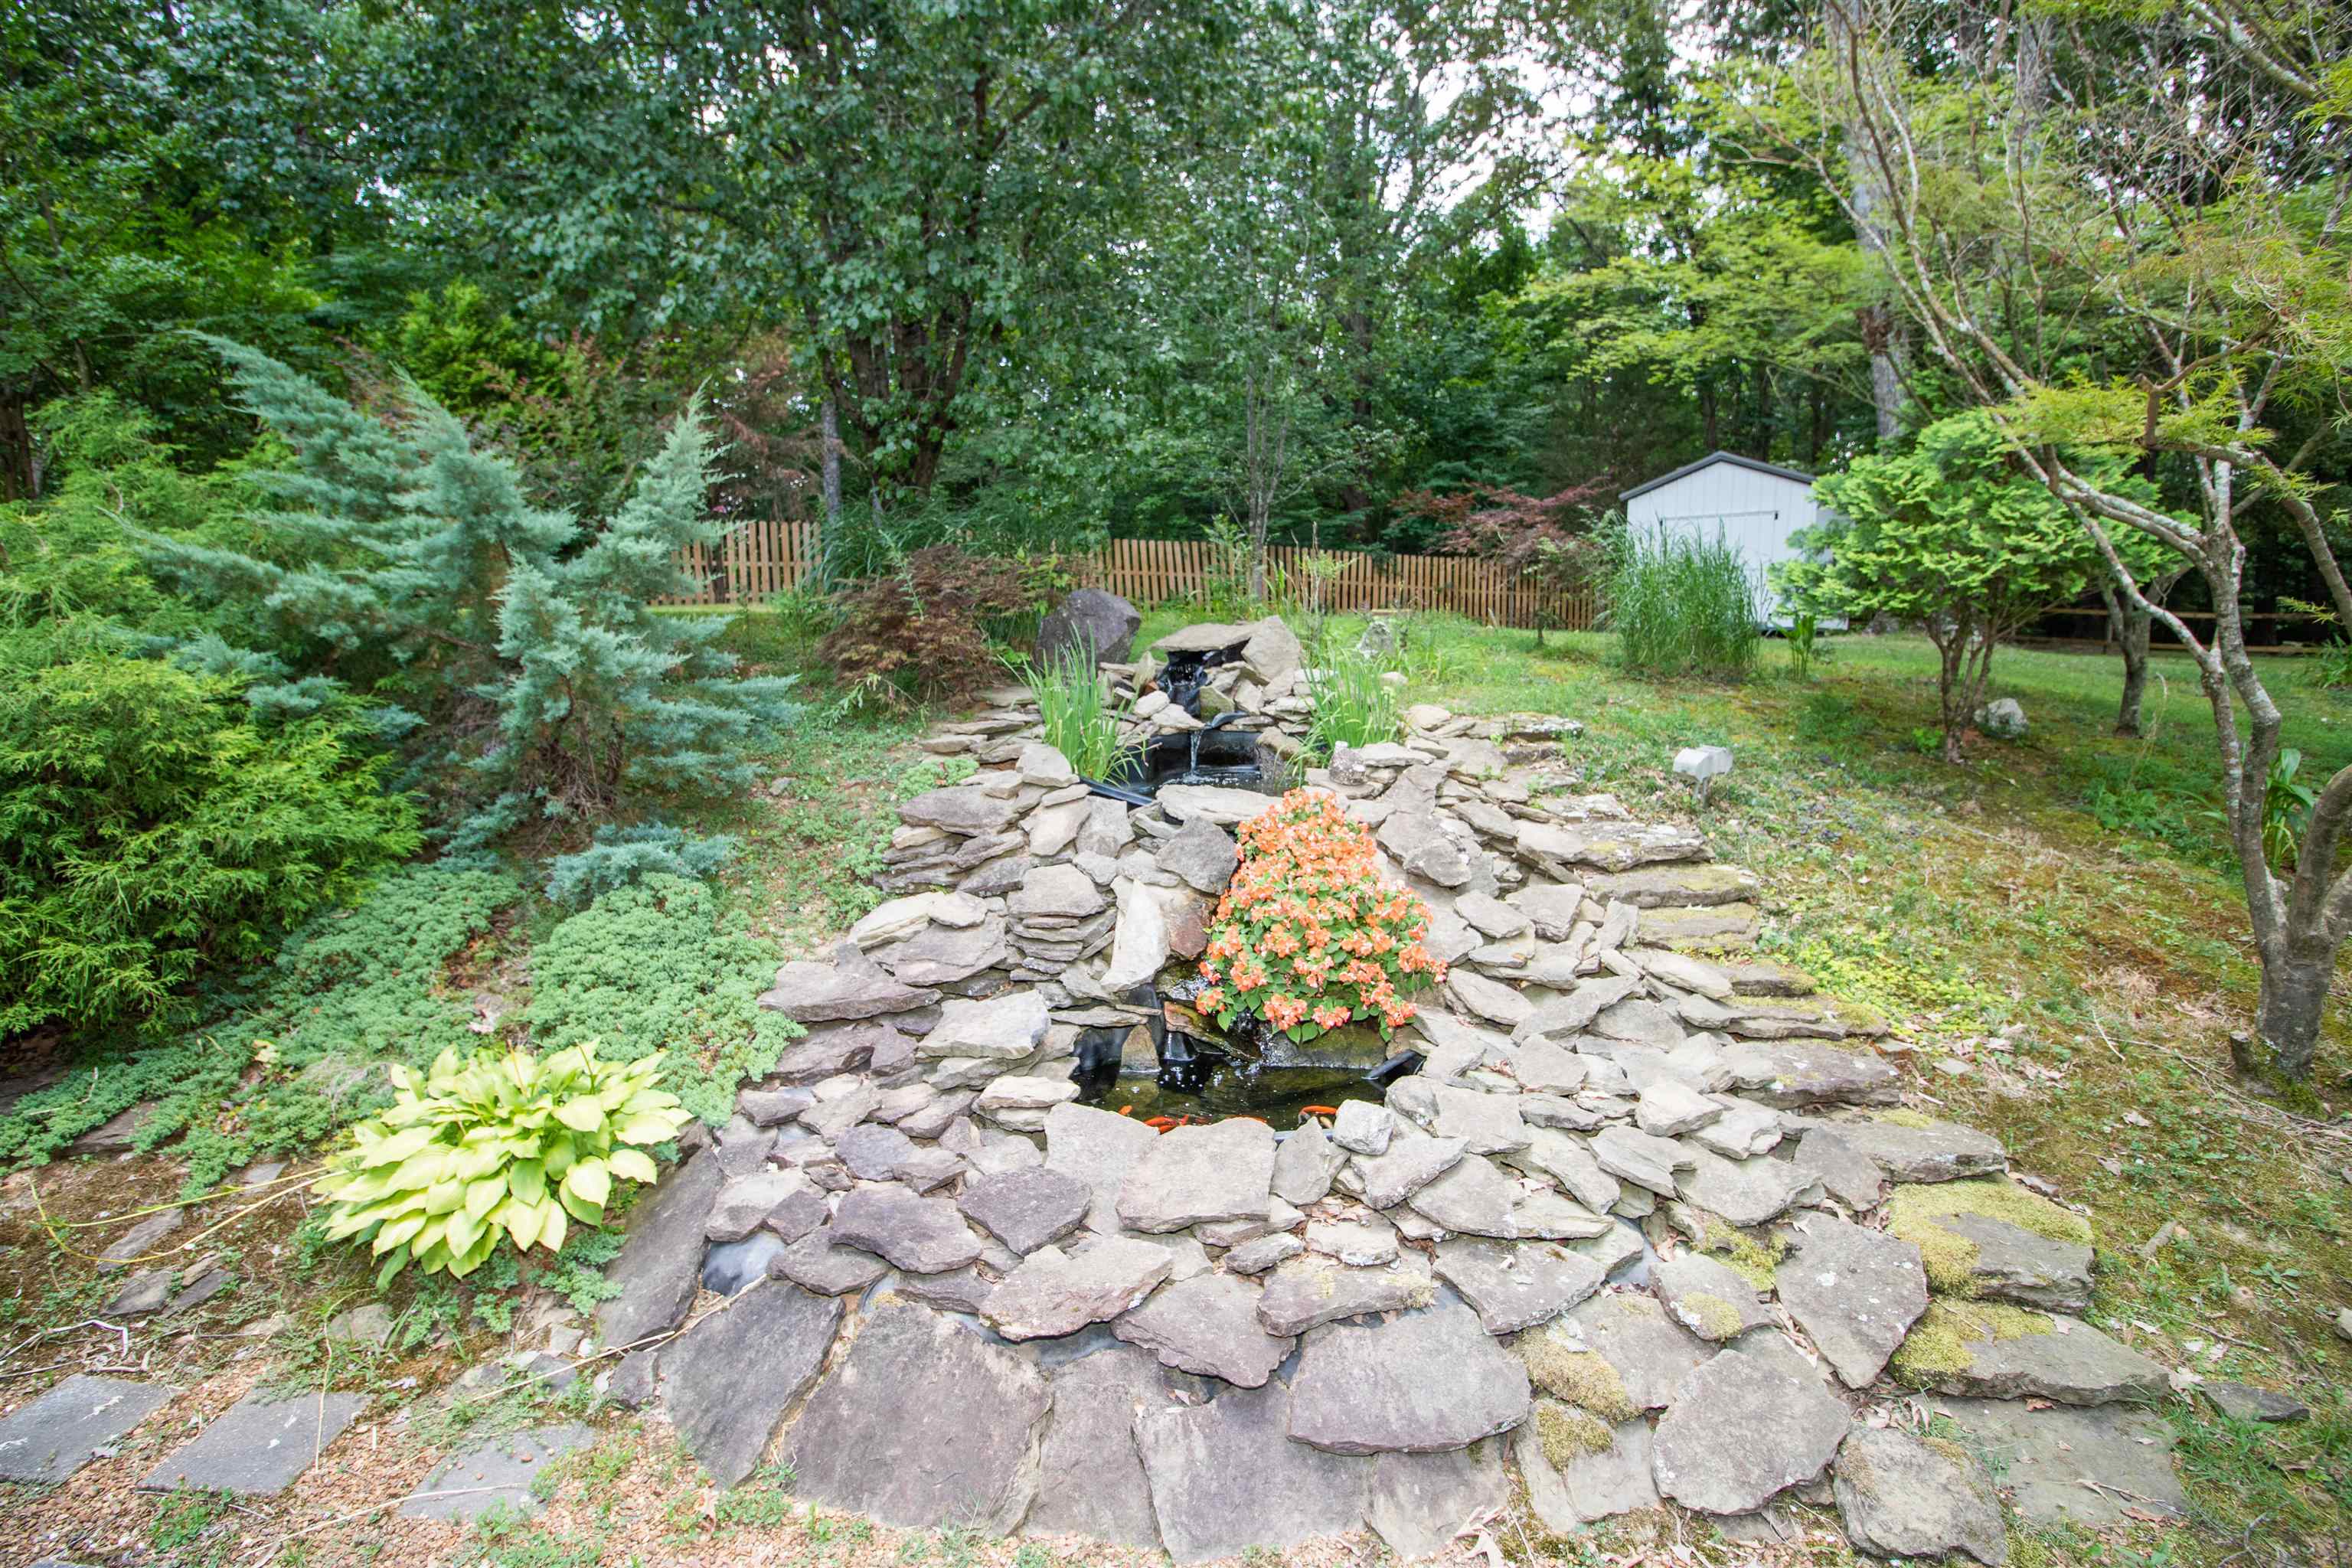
column 1196, row 1175
column 1215, row 803
column 1936, row 1152
column 1899, row 1497
column 853, row 987
column 52, row 1437
column 1414, row 1159
column 2010, row 1263
column 1099, row 1149
column 2074, row 1364
column 1423, row 1381
column 815, row 1262
column 873, row 1438
column 1745, row 1192
column 1587, row 1486
column 1513, row 1286
column 1208, row 1325
column 1090, row 1481
column 661, row 1261
column 1307, row 1291
column 1707, row 1297
column 497, row 1474
column 259, row 1444
column 2043, row 1457
column 1026, row 1209
column 1056, row 1292
column 2245, row 1402
column 922, row 1235
column 1002, row 1028
column 1648, row 1351
column 1307, row 1161
column 1751, row 1423
column 725, row 1414
column 1420, row 1502
column 1855, row 1292
column 1791, row 1074
column 1225, row 1476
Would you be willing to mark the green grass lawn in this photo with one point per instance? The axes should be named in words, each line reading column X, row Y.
column 2058, row 929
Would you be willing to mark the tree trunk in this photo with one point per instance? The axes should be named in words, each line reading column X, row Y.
column 2129, row 624
column 2293, row 1002
column 832, row 469
column 20, row 464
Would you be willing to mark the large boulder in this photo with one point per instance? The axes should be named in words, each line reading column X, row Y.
column 1099, row 625
column 870, row 1442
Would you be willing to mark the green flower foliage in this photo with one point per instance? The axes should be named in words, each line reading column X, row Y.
column 154, row 823
column 652, row 967
column 288, row 1060
column 506, row 1145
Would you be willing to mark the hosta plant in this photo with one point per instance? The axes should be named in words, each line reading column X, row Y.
column 1307, row 937
column 500, row 1144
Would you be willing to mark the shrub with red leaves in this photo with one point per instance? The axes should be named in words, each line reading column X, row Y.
column 921, row 628
column 1548, row 539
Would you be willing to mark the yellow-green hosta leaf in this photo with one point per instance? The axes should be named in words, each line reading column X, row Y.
column 581, row 1209
column 469, row 1258
column 392, row 1266
column 483, row 1194
column 590, row 1182
column 583, row 1114
column 653, row 1129
column 561, row 1151
column 392, row 1150
column 631, row 1164
column 443, row 1197
column 521, row 1221
column 552, row 1225
column 461, row 1230
column 527, row 1179
column 398, row 1231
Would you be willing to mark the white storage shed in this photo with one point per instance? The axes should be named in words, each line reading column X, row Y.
column 1754, row 506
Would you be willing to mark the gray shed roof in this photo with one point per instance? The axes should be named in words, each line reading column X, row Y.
column 1709, row 461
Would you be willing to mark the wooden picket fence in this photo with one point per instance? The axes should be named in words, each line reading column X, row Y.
column 769, row 556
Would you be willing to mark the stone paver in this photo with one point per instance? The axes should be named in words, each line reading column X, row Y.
column 1423, row 1381
column 259, row 1444
column 52, row 1437
column 498, row 1473
column 1090, row 1479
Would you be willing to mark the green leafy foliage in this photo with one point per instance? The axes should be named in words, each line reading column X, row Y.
column 1681, row 604
column 1080, row 717
column 655, row 966
column 1354, row 705
column 153, row 823
column 619, row 856
column 1950, row 536
column 521, row 637
column 499, row 1146
column 290, row 1059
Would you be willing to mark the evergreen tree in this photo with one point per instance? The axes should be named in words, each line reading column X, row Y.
column 411, row 565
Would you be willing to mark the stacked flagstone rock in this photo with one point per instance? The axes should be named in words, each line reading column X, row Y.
column 1648, row 1226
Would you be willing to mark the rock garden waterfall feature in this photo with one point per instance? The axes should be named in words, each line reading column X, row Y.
column 1618, row 1215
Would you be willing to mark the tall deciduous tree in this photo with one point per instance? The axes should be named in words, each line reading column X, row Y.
column 919, row 186
column 2182, row 176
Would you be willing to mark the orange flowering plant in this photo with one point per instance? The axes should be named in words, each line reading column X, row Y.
column 1307, row 936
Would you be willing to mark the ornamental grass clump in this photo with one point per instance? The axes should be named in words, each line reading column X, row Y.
column 1307, row 937
column 500, row 1144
